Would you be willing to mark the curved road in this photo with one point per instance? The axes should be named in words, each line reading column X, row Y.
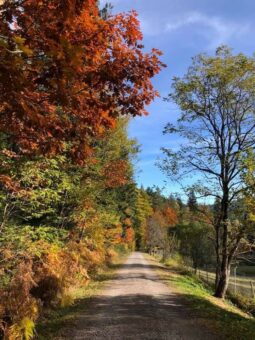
column 138, row 305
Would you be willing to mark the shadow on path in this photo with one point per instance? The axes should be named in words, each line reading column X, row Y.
column 138, row 305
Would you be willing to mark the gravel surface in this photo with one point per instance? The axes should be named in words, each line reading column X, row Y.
column 138, row 305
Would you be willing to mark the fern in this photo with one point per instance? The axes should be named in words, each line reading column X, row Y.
column 67, row 300
column 24, row 330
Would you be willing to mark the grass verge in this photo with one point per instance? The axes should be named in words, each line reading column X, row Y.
column 224, row 317
column 54, row 322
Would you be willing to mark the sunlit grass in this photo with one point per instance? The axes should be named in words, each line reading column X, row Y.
column 229, row 321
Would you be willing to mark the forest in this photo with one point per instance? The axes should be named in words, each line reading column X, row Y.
column 72, row 77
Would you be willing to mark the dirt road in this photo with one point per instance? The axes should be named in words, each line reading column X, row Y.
column 138, row 305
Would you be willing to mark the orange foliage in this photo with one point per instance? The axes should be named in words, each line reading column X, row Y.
column 43, row 279
column 127, row 222
column 115, row 174
column 170, row 216
column 129, row 237
column 8, row 183
column 66, row 73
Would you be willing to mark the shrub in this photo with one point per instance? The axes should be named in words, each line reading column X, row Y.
column 245, row 303
column 40, row 277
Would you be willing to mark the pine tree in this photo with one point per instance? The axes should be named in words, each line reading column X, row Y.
column 192, row 201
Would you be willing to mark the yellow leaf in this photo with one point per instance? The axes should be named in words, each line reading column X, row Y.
column 19, row 40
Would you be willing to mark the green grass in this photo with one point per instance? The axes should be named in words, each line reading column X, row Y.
column 222, row 316
column 228, row 321
column 55, row 321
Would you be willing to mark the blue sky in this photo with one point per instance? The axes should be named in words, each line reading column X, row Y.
column 181, row 29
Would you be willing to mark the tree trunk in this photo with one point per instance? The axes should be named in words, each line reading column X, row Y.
column 223, row 269
column 218, row 263
column 223, row 263
column 223, row 280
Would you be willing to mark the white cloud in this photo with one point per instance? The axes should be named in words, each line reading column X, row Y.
column 149, row 28
column 216, row 29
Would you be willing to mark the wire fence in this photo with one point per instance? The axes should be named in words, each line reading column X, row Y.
column 237, row 284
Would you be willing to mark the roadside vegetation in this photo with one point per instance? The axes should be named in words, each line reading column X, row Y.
column 230, row 320
column 224, row 317
column 58, row 321
column 72, row 76
column 187, row 246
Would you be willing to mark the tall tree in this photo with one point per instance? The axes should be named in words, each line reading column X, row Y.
column 157, row 198
column 192, row 201
column 216, row 98
column 67, row 72
column 143, row 209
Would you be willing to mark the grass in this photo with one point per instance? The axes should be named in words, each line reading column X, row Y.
column 224, row 317
column 59, row 319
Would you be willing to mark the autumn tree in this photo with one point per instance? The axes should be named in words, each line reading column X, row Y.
column 195, row 243
column 157, row 236
column 244, row 209
column 67, row 72
column 106, row 188
column 61, row 224
column 156, row 232
column 216, row 98
column 143, row 209
column 248, row 176
column 163, row 216
column 156, row 197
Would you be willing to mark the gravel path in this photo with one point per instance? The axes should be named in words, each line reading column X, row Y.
column 138, row 305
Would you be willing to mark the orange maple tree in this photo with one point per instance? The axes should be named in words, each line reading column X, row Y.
column 170, row 216
column 67, row 73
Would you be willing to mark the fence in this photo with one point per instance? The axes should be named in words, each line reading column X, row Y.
column 237, row 284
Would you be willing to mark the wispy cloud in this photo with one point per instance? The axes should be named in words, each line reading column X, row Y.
column 216, row 29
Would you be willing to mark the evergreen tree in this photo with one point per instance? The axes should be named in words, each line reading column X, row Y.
column 192, row 201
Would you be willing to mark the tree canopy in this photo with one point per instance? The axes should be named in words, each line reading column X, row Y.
column 216, row 98
column 67, row 72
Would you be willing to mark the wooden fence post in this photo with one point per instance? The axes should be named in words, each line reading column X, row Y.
column 235, row 278
column 252, row 290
